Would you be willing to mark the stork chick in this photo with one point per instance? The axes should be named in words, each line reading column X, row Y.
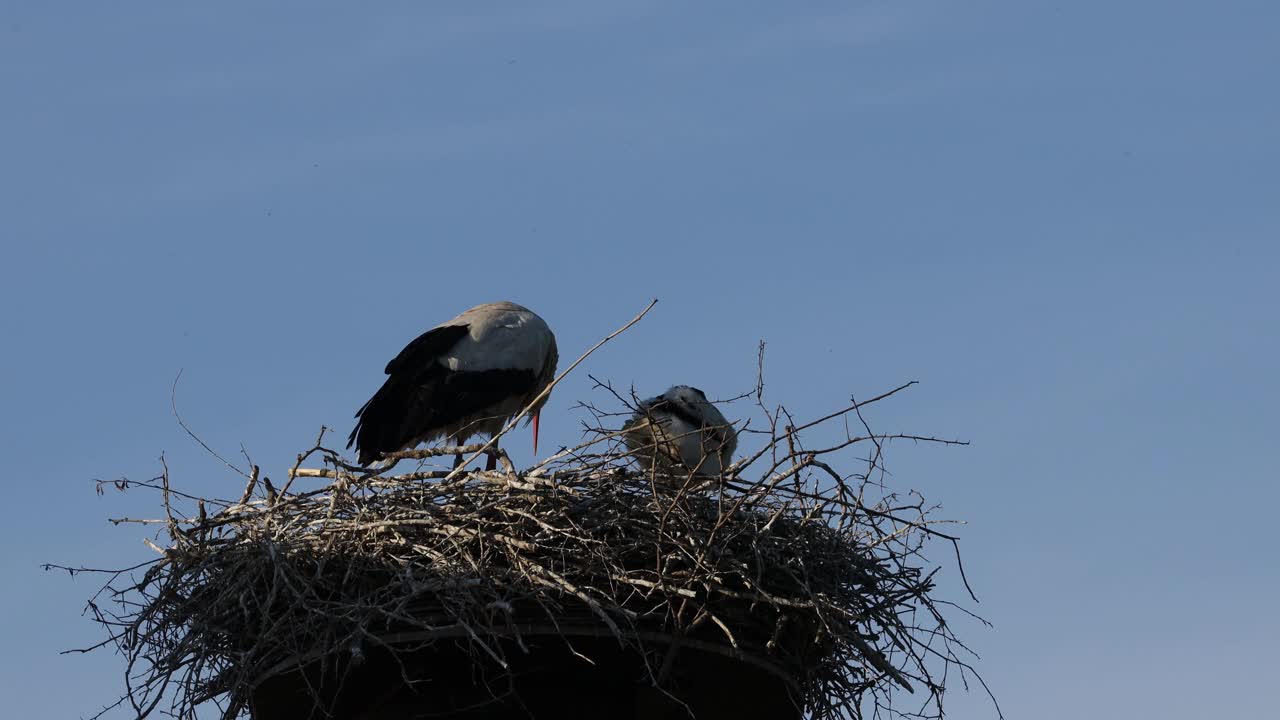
column 681, row 428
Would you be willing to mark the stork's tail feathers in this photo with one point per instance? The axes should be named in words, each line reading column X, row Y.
column 377, row 429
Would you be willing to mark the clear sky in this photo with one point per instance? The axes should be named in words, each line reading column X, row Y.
column 1062, row 218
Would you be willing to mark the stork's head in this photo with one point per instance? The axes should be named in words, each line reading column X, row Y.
column 689, row 401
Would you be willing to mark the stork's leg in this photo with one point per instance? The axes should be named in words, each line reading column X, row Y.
column 457, row 459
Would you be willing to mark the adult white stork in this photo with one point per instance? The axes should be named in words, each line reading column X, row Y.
column 468, row 376
column 682, row 427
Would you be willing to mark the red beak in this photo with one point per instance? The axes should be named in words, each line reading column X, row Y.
column 535, row 432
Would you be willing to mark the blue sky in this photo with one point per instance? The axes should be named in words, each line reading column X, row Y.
column 1060, row 217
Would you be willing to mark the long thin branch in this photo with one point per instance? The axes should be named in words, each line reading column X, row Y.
column 173, row 403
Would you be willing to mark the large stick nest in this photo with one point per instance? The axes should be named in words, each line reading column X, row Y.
column 787, row 563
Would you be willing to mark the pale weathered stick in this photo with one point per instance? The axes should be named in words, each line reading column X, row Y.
column 424, row 453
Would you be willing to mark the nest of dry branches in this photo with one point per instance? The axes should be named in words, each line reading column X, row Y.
column 787, row 562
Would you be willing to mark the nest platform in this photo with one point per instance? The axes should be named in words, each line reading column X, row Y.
column 583, row 587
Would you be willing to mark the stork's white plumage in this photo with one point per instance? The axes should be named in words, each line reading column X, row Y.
column 468, row 376
column 681, row 427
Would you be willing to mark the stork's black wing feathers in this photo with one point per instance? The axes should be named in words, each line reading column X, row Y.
column 426, row 348
column 421, row 395
column 403, row 411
